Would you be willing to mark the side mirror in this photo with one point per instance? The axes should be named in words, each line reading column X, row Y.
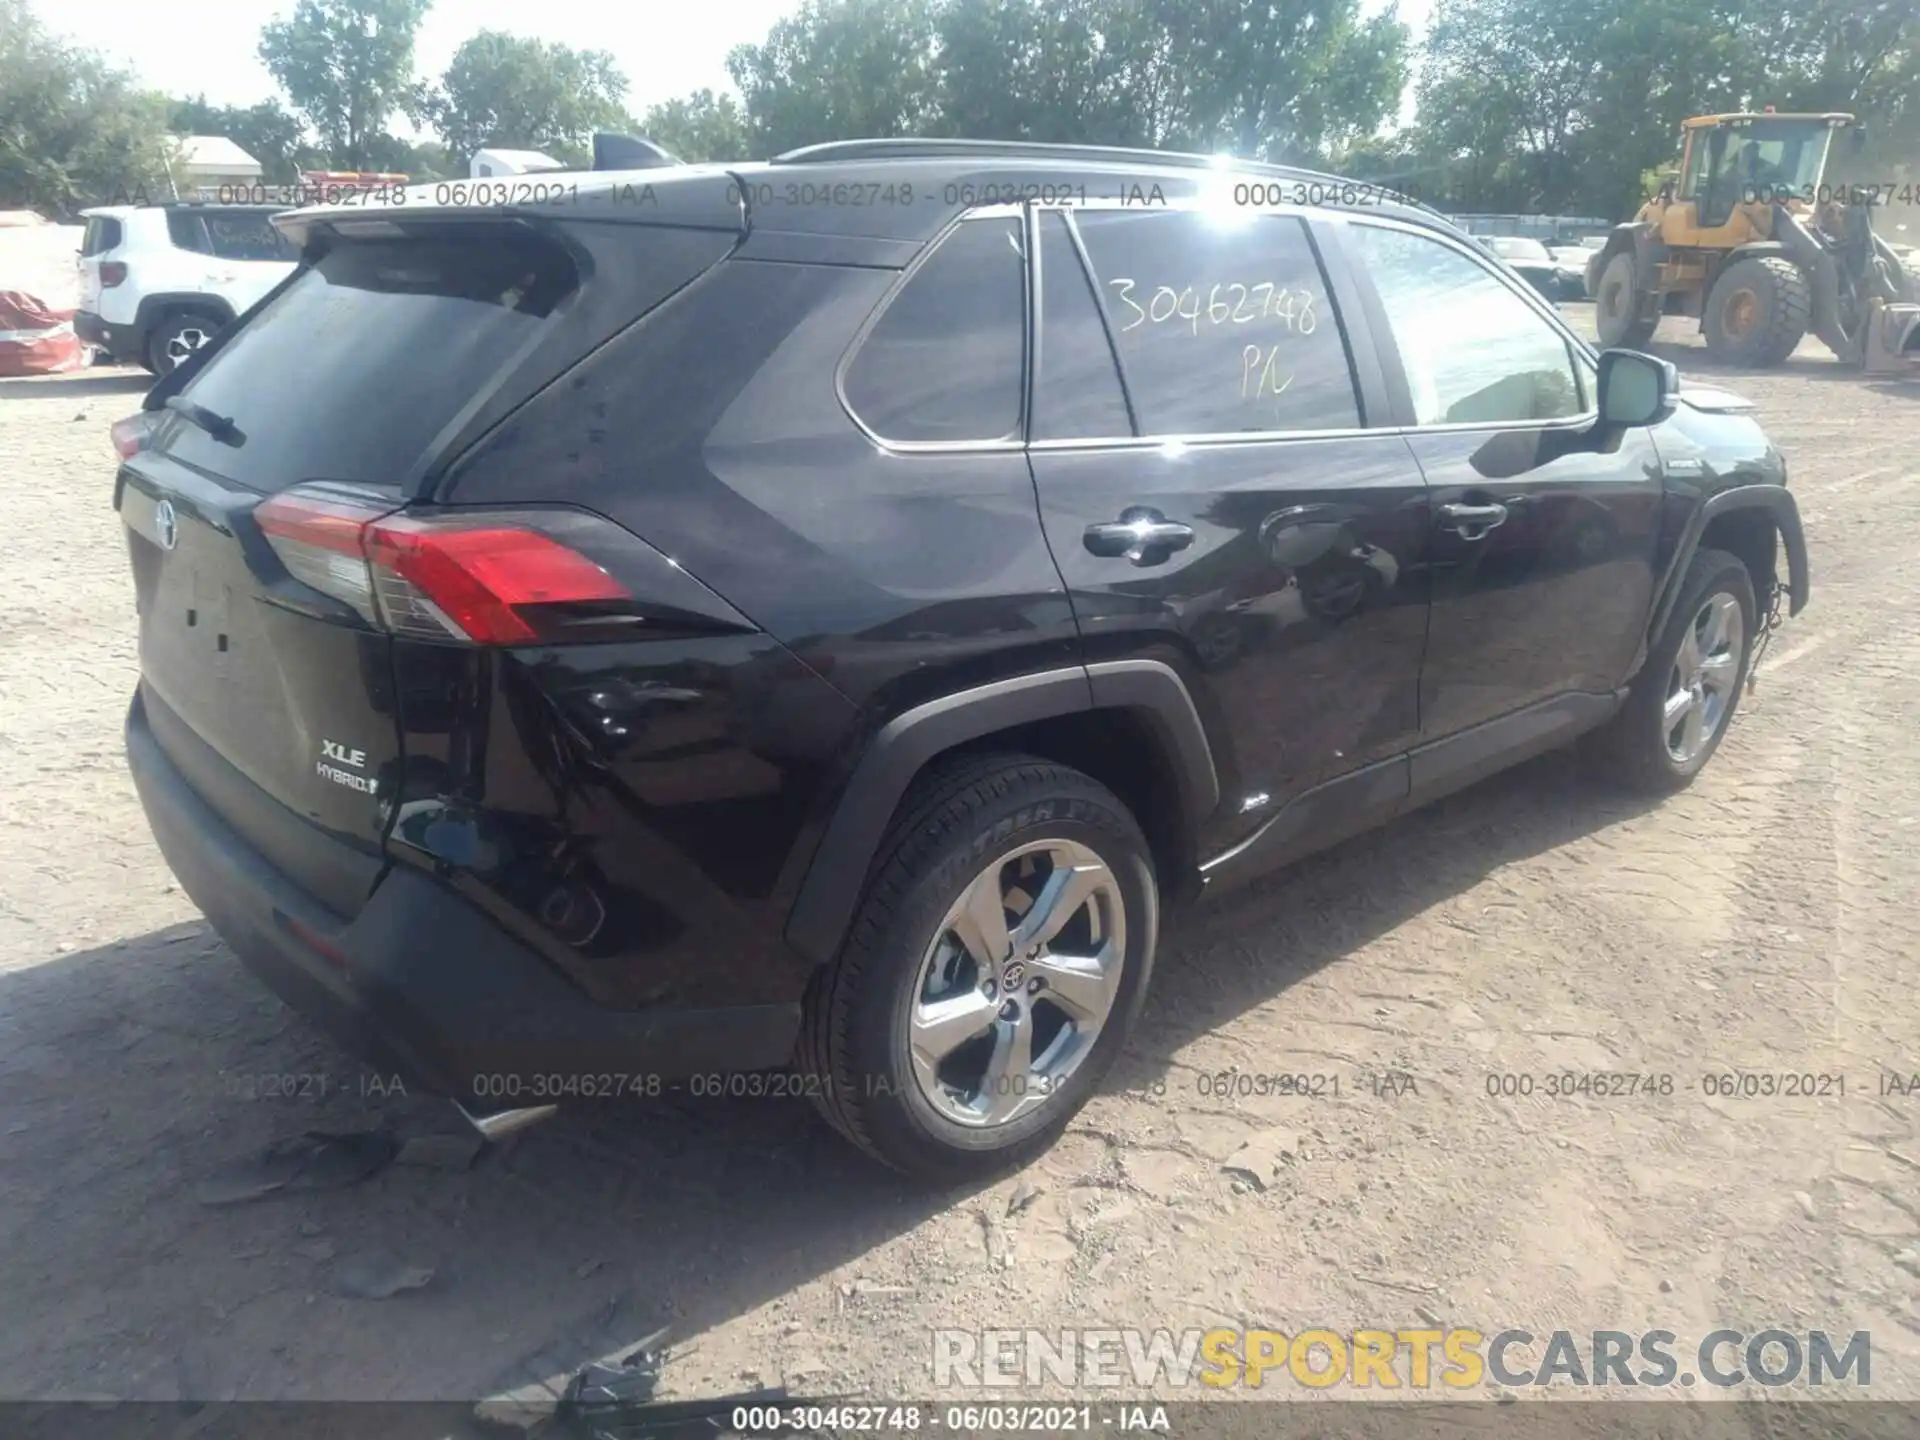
column 1636, row 389
column 1858, row 138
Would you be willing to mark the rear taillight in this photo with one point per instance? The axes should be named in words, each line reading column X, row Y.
column 493, row 578
column 131, row 434
column 112, row 272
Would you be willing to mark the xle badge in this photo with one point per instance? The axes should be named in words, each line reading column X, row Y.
column 333, row 755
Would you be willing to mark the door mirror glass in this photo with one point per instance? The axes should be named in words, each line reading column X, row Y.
column 1636, row 389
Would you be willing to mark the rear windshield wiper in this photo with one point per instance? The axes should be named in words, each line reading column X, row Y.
column 220, row 427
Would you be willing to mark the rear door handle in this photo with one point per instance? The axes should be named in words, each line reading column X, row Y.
column 1472, row 522
column 1143, row 535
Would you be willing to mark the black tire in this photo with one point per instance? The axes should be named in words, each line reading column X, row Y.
column 854, row 1037
column 1616, row 305
column 174, row 336
column 1632, row 749
column 1783, row 306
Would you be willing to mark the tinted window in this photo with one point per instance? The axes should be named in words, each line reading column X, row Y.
column 1473, row 349
column 188, row 231
column 945, row 360
column 247, row 235
column 352, row 371
column 103, row 234
column 1222, row 326
column 1078, row 395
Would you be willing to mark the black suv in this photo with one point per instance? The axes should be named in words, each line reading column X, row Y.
column 631, row 630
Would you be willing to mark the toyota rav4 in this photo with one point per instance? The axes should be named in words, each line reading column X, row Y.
column 820, row 615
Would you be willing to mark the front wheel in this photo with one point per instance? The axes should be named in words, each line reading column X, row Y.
column 992, row 971
column 1617, row 316
column 1684, row 697
column 1757, row 312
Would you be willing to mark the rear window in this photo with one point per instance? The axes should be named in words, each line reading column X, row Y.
column 103, row 234
column 353, row 370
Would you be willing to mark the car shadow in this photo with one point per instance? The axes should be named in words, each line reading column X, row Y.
column 132, row 1073
column 116, row 382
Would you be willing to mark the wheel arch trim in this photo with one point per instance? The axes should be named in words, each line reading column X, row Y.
column 836, row 877
column 1784, row 510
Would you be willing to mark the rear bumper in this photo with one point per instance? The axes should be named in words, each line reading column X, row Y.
column 421, row 983
column 96, row 332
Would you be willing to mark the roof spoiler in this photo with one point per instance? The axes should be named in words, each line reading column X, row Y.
column 625, row 152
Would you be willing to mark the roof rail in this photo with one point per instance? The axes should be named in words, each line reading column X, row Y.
column 914, row 148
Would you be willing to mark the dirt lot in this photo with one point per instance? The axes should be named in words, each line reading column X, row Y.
column 1764, row 921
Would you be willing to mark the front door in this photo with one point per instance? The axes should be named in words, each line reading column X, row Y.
column 1543, row 542
column 1218, row 500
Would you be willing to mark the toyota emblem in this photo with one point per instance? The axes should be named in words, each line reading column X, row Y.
column 166, row 526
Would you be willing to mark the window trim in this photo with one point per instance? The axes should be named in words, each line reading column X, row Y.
column 1016, row 440
column 1388, row 344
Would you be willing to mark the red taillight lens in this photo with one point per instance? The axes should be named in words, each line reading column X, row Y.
column 477, row 578
column 113, row 272
column 130, row 435
column 480, row 578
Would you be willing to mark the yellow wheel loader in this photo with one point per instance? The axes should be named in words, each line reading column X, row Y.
column 1750, row 239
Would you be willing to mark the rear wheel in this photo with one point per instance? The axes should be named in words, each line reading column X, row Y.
column 1757, row 311
column 1684, row 697
column 1616, row 305
column 176, row 338
column 991, row 974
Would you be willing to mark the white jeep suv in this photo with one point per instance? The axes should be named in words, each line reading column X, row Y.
column 158, row 281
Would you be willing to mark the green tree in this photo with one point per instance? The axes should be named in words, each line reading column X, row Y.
column 347, row 66
column 1566, row 104
column 699, row 127
column 838, row 69
column 269, row 132
column 73, row 130
column 1028, row 70
column 1272, row 78
column 526, row 95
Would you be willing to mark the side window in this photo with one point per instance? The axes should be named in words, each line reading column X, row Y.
column 102, row 234
column 945, row 362
column 246, row 235
column 188, row 231
column 1473, row 350
column 1077, row 394
column 1223, row 325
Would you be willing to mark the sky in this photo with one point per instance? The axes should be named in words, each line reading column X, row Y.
column 208, row 47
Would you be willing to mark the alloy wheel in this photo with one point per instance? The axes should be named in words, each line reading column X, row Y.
column 1700, row 689
column 183, row 344
column 1018, row 982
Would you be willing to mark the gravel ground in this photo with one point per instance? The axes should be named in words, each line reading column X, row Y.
column 1763, row 921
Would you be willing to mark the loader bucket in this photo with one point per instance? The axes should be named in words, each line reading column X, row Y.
column 1892, row 340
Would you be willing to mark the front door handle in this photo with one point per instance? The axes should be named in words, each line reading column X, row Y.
column 1472, row 522
column 1143, row 535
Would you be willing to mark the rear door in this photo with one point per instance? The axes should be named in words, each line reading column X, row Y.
column 1544, row 542
column 1290, row 588
column 250, row 256
column 240, row 255
column 265, row 665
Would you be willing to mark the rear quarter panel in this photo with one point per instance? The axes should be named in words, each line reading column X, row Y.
column 713, row 429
